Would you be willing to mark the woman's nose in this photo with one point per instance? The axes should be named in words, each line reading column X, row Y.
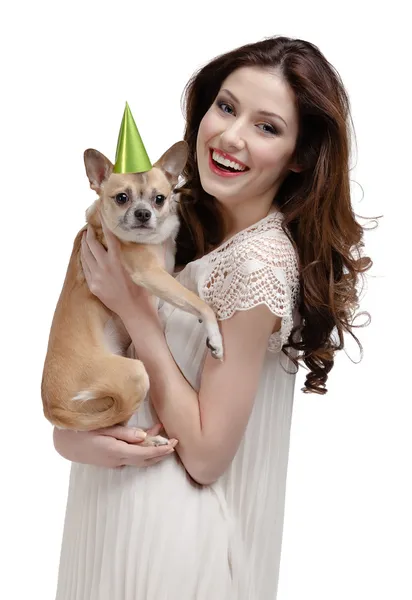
column 232, row 138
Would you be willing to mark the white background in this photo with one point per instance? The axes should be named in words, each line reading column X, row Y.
column 66, row 72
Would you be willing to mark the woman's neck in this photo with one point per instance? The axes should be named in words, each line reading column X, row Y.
column 238, row 220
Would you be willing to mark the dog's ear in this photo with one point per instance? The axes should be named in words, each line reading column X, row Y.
column 98, row 168
column 173, row 161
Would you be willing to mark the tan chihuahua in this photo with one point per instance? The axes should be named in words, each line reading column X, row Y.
column 88, row 382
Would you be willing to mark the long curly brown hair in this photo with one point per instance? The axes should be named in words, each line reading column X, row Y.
column 316, row 203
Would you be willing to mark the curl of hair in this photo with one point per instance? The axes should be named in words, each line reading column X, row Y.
column 316, row 202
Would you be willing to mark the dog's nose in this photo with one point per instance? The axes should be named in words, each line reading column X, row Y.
column 142, row 214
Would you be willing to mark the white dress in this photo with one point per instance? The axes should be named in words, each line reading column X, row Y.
column 154, row 534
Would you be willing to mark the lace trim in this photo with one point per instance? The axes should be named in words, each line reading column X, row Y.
column 256, row 266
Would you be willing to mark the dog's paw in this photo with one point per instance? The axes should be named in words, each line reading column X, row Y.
column 215, row 344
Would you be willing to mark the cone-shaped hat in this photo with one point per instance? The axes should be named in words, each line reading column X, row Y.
column 131, row 155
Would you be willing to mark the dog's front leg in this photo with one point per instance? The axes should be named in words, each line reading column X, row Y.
column 159, row 283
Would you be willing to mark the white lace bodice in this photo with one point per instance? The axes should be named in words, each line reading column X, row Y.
column 256, row 266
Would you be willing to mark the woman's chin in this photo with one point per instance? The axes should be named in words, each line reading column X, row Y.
column 223, row 192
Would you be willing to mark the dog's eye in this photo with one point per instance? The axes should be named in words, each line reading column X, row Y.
column 121, row 198
column 159, row 200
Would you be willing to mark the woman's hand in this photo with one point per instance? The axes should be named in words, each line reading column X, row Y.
column 111, row 447
column 106, row 276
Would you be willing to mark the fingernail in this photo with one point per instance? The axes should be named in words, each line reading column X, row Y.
column 140, row 434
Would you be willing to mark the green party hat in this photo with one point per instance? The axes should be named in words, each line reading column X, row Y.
column 131, row 155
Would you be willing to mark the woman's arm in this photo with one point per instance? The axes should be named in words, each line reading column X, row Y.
column 209, row 425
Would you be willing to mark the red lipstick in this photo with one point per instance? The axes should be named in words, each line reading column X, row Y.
column 214, row 167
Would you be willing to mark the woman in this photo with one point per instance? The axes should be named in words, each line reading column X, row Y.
column 269, row 239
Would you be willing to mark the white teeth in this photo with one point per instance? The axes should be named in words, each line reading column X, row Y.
column 225, row 161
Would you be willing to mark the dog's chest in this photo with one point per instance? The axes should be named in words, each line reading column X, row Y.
column 165, row 254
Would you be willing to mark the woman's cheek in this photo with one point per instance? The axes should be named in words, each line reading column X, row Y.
column 208, row 127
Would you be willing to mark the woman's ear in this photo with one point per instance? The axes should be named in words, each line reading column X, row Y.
column 295, row 168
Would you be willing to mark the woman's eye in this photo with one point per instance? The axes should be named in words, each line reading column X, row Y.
column 121, row 198
column 160, row 199
column 268, row 128
column 225, row 107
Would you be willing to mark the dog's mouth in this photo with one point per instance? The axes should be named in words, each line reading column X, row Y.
column 141, row 226
column 138, row 225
